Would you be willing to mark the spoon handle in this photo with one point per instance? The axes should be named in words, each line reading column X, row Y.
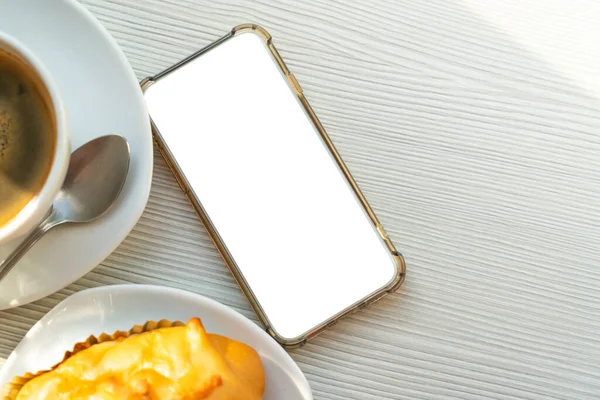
column 48, row 223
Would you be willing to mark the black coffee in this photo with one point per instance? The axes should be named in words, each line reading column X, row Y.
column 27, row 135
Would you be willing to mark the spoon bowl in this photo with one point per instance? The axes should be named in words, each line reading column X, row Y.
column 95, row 177
column 94, row 180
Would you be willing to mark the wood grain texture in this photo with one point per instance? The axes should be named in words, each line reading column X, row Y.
column 473, row 129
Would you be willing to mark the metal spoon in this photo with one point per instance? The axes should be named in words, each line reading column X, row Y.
column 95, row 177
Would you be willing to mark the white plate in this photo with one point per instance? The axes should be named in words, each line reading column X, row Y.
column 111, row 308
column 101, row 96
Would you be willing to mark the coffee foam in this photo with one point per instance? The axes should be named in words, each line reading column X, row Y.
column 27, row 135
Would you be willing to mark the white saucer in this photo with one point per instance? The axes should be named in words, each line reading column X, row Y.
column 101, row 96
column 111, row 308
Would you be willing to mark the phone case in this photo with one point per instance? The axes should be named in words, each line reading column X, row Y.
column 222, row 248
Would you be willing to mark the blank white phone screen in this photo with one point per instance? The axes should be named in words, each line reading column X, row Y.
column 263, row 175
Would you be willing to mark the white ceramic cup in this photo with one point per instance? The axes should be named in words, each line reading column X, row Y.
column 32, row 214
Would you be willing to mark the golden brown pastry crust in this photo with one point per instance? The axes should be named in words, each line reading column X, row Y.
column 175, row 362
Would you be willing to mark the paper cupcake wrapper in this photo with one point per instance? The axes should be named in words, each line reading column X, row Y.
column 11, row 389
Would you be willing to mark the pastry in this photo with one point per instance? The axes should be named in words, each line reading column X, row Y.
column 177, row 362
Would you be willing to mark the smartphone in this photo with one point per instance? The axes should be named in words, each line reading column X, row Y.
column 279, row 203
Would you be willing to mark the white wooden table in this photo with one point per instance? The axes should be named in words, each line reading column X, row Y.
column 473, row 129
